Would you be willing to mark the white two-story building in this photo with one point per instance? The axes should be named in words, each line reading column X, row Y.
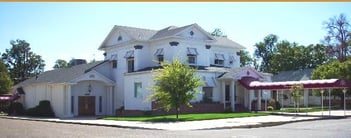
column 124, row 79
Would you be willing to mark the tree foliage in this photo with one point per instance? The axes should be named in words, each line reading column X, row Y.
column 246, row 59
column 5, row 80
column 296, row 94
column 60, row 63
column 21, row 62
column 277, row 56
column 291, row 56
column 218, row 32
column 332, row 70
column 338, row 37
column 265, row 50
column 176, row 85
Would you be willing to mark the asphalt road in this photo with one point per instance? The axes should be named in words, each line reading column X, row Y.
column 340, row 128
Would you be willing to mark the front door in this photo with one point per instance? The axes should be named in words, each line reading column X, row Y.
column 86, row 105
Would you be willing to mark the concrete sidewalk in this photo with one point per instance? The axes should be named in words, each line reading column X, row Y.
column 246, row 122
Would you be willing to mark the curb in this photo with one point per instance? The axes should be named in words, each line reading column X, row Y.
column 270, row 124
column 78, row 123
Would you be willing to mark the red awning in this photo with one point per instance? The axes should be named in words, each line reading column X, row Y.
column 254, row 84
column 9, row 98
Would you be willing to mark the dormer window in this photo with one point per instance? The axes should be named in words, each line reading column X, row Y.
column 159, row 55
column 192, row 55
column 219, row 59
column 119, row 38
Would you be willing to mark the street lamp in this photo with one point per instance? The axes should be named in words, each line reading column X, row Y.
column 344, row 91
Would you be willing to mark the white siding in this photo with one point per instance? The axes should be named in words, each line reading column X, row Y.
column 138, row 103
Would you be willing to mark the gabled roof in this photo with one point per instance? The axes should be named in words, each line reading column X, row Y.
column 169, row 31
column 232, row 73
column 140, row 34
column 227, row 42
column 293, row 75
column 60, row 75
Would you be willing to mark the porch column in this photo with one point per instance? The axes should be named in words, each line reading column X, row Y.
column 259, row 96
column 223, row 94
column 250, row 91
column 282, row 91
column 277, row 92
column 329, row 101
column 109, row 101
column 305, row 97
column 68, row 100
column 232, row 96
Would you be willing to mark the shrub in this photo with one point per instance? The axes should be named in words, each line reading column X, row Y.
column 42, row 110
column 270, row 108
column 15, row 108
column 4, row 107
column 275, row 104
column 45, row 109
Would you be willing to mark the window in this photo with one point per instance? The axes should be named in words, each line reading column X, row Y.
column 159, row 55
column 231, row 59
column 130, row 60
column 120, row 38
column 160, row 59
column 192, row 54
column 208, row 92
column 191, row 33
column 130, row 63
column 219, row 59
column 137, row 89
column 114, row 64
column 192, row 59
column 72, row 104
column 100, row 104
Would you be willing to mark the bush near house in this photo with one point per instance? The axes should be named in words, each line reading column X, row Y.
column 4, row 107
column 271, row 102
column 15, row 108
column 42, row 110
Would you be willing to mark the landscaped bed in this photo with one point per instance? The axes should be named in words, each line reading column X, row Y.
column 185, row 117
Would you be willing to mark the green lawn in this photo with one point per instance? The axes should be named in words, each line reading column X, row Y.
column 184, row 117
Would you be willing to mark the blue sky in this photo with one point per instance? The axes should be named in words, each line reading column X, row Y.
column 76, row 30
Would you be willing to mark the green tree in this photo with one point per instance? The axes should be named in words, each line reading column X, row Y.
column 5, row 80
column 21, row 62
column 176, row 85
column 265, row 50
column 296, row 93
column 338, row 37
column 332, row 70
column 245, row 59
column 291, row 56
column 60, row 63
column 218, row 32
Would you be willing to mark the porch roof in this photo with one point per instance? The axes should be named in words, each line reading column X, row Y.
column 254, row 84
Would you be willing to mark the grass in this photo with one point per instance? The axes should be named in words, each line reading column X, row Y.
column 185, row 117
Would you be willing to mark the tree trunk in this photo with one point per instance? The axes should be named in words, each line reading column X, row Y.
column 177, row 112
